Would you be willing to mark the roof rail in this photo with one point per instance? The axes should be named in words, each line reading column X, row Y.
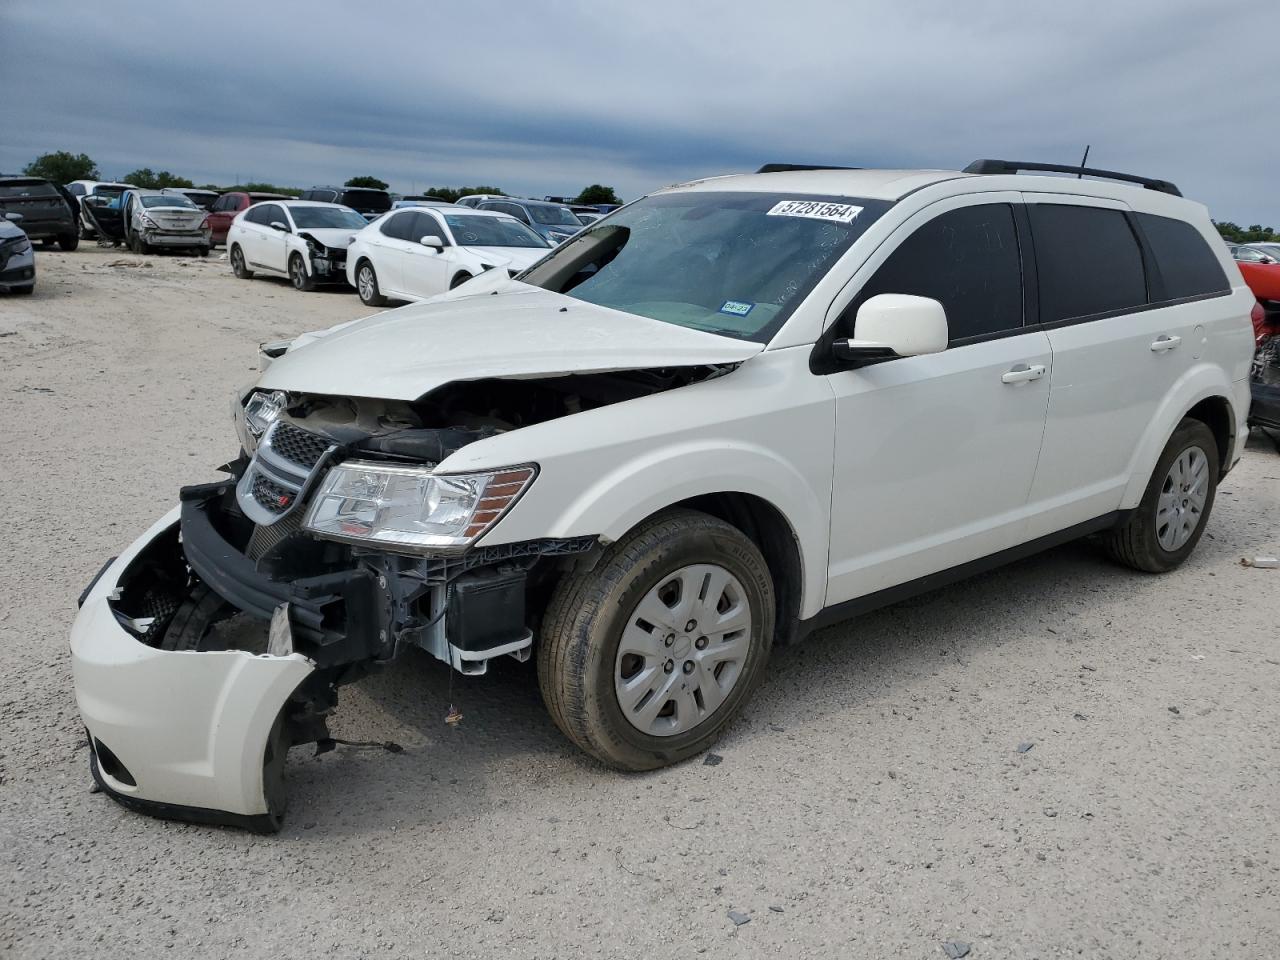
column 786, row 167
column 1015, row 166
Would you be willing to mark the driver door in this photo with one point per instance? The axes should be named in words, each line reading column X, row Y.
column 935, row 454
column 273, row 244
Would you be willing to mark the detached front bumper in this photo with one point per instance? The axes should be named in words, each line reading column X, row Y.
column 185, row 735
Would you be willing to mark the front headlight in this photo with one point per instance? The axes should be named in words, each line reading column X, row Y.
column 262, row 409
column 410, row 508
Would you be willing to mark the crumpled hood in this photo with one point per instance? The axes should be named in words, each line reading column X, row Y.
column 506, row 330
column 340, row 239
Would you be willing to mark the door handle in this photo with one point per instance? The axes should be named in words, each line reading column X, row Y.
column 1164, row 342
column 1022, row 372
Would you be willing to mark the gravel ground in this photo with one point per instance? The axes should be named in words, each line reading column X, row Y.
column 873, row 800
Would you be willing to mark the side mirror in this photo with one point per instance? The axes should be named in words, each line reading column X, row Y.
column 894, row 325
column 13, row 217
column 1265, row 259
column 277, row 225
column 431, row 240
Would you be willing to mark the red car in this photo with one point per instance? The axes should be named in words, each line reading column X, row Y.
column 226, row 207
column 1261, row 272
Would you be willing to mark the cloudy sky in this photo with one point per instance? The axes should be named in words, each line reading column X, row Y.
column 546, row 96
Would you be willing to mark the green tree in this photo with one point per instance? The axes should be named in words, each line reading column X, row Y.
column 148, row 179
column 373, row 183
column 63, row 167
column 597, row 193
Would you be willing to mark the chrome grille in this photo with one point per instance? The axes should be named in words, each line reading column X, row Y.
column 287, row 462
column 298, row 446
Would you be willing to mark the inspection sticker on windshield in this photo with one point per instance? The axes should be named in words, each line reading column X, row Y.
column 736, row 308
column 816, row 210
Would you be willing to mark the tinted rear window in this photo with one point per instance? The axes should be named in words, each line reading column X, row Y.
column 1188, row 268
column 28, row 188
column 1088, row 261
column 371, row 201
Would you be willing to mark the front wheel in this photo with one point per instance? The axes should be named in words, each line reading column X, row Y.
column 644, row 659
column 69, row 241
column 459, row 280
column 367, row 285
column 298, row 275
column 1168, row 522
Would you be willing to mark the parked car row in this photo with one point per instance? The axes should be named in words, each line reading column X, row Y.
column 409, row 253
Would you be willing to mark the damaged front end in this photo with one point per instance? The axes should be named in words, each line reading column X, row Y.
column 219, row 639
column 328, row 264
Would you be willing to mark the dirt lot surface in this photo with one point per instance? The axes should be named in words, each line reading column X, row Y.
column 872, row 801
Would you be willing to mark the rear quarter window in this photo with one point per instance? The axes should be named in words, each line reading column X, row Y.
column 1186, row 264
column 1088, row 261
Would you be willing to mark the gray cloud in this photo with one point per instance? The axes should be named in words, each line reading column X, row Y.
column 545, row 98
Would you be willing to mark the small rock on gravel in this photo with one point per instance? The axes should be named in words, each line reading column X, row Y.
column 739, row 918
column 712, row 760
column 1024, row 746
column 955, row 949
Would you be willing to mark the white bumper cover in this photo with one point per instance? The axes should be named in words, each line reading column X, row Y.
column 191, row 729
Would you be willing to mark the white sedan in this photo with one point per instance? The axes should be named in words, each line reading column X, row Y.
column 416, row 253
column 303, row 240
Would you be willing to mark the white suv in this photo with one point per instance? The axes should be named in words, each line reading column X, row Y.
column 724, row 415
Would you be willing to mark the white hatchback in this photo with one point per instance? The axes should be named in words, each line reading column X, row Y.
column 419, row 252
column 304, row 240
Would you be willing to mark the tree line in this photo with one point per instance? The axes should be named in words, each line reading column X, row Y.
column 62, row 167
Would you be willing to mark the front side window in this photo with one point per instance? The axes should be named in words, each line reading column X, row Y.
column 328, row 218
column 966, row 259
column 476, row 230
column 1249, row 255
column 1088, row 262
column 1188, row 268
column 732, row 263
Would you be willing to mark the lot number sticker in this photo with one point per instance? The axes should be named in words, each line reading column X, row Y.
column 816, row 210
column 736, row 308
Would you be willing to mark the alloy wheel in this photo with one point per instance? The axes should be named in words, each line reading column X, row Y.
column 364, row 283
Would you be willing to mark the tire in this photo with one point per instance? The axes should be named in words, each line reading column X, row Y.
column 298, row 275
column 24, row 291
column 1164, row 529
column 236, row 256
column 459, row 280
column 137, row 245
column 201, row 251
column 367, row 285
column 68, row 241
column 583, row 666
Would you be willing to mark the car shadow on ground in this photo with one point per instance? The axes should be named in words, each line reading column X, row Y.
column 506, row 736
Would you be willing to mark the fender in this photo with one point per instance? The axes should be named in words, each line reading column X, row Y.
column 1201, row 382
column 615, row 502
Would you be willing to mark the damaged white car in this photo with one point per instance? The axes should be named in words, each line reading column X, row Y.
column 728, row 413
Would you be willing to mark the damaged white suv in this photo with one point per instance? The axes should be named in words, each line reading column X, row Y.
column 728, row 413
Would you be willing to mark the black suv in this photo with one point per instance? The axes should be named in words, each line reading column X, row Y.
column 45, row 214
column 366, row 201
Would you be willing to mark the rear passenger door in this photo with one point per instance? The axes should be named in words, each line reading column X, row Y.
column 935, row 454
column 1122, row 332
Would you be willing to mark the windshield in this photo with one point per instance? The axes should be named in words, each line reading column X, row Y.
column 367, row 201
column 477, row 230
column 736, row 264
column 550, row 216
column 31, row 188
column 322, row 218
column 170, row 200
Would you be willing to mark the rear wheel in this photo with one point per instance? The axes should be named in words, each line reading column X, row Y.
column 201, row 251
column 1169, row 520
column 367, row 285
column 138, row 245
column 644, row 659
column 68, row 241
column 298, row 275
column 237, row 263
